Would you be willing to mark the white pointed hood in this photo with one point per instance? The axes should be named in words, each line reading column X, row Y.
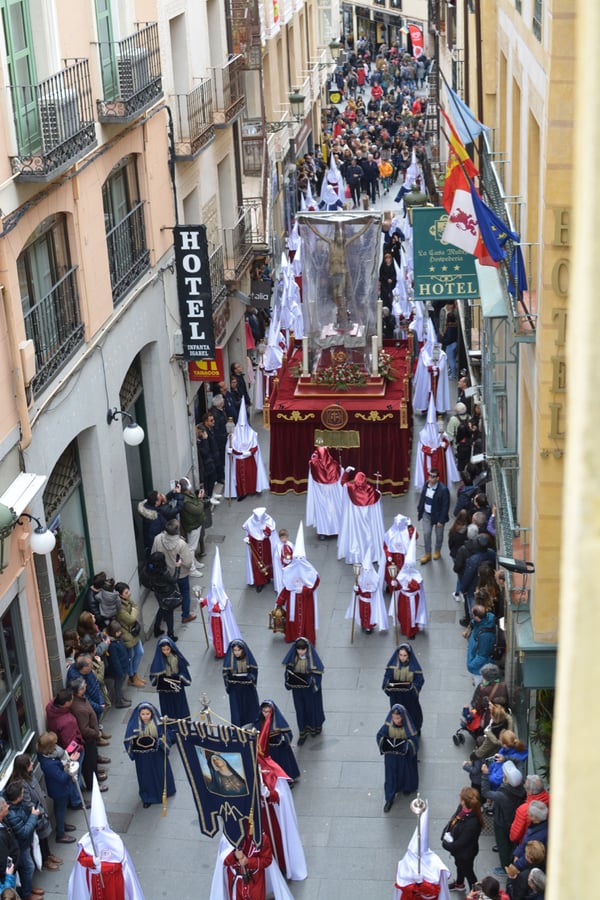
column 299, row 551
column 410, row 571
column 293, row 238
column 300, row 572
column 429, row 435
column 98, row 817
column 311, row 203
column 432, row 868
column 244, row 437
column 431, row 337
column 397, row 537
column 217, row 591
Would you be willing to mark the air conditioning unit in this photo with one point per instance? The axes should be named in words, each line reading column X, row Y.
column 59, row 118
column 134, row 72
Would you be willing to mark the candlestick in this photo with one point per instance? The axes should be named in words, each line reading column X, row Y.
column 305, row 356
column 380, row 322
column 375, row 358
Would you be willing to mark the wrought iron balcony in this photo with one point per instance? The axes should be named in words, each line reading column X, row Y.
column 217, row 277
column 238, row 247
column 131, row 75
column 128, row 255
column 54, row 122
column 229, row 99
column 55, row 327
column 254, row 207
column 194, row 125
column 245, row 27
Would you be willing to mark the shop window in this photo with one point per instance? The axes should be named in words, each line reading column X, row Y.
column 64, row 510
column 16, row 719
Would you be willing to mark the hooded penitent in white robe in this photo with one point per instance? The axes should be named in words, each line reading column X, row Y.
column 244, row 447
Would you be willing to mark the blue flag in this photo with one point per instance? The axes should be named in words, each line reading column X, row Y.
column 466, row 124
column 518, row 284
column 494, row 232
column 221, row 765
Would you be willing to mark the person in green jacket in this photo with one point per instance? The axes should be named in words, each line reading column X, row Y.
column 128, row 619
column 192, row 517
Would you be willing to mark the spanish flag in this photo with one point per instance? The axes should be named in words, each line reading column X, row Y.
column 460, row 167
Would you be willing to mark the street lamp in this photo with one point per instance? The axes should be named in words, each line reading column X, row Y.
column 41, row 542
column 133, row 434
column 296, row 101
column 335, row 48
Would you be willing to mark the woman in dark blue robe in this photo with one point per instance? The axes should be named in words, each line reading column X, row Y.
column 303, row 676
column 275, row 738
column 402, row 682
column 169, row 673
column 240, row 674
column 146, row 746
column 399, row 744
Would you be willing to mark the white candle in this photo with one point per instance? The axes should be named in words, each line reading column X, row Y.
column 380, row 321
column 305, row 356
column 375, row 359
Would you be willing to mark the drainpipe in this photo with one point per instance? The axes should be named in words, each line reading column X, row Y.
column 19, row 385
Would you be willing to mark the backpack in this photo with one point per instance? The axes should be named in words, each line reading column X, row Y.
column 499, row 648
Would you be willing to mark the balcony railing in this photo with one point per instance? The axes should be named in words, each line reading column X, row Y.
column 229, row 99
column 131, row 75
column 255, row 210
column 238, row 247
column 54, row 123
column 194, row 124
column 217, row 277
column 245, row 25
column 55, row 327
column 128, row 255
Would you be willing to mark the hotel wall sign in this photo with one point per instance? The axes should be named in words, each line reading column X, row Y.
column 194, row 291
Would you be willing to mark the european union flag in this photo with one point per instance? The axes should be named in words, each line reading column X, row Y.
column 494, row 232
column 221, row 765
column 518, row 283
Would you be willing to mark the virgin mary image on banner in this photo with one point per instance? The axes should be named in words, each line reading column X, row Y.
column 221, row 772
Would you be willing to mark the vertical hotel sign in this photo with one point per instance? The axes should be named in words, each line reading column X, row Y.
column 194, row 291
column 442, row 271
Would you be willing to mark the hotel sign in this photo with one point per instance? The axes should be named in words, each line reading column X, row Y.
column 442, row 271
column 194, row 291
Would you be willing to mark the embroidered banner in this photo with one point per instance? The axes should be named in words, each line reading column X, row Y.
column 220, row 763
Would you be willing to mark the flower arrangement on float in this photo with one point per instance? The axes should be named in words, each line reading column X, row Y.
column 341, row 376
column 384, row 365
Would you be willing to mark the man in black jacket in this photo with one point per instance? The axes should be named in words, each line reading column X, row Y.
column 434, row 503
column 354, row 176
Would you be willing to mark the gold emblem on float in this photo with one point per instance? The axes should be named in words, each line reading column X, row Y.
column 334, row 417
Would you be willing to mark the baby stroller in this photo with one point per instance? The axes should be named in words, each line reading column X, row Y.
column 470, row 721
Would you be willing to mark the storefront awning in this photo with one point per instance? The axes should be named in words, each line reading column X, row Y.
column 538, row 661
column 493, row 304
column 22, row 491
